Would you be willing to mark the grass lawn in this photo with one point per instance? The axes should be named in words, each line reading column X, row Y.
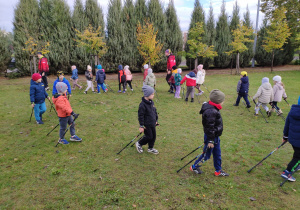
column 36, row 175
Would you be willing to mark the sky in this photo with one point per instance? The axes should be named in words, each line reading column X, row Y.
column 184, row 9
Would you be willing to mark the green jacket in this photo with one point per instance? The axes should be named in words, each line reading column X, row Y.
column 177, row 79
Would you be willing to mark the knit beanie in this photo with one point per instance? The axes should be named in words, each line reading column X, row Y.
column 99, row 67
column 200, row 67
column 147, row 90
column 60, row 73
column 244, row 73
column 299, row 100
column 265, row 80
column 146, row 66
column 179, row 71
column 174, row 67
column 277, row 78
column 168, row 51
column 89, row 67
column 36, row 76
column 216, row 96
column 150, row 71
column 61, row 87
column 120, row 67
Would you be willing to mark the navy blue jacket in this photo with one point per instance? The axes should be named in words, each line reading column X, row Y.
column 74, row 74
column 100, row 76
column 37, row 92
column 292, row 126
column 243, row 85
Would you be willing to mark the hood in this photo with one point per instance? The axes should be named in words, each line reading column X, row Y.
column 295, row 112
column 205, row 107
column 192, row 74
column 101, row 71
column 266, row 86
column 146, row 101
column 245, row 79
column 279, row 85
column 151, row 75
column 33, row 82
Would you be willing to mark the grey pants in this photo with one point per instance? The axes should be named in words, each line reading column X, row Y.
column 63, row 122
column 190, row 90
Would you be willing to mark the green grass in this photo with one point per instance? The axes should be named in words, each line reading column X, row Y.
column 36, row 175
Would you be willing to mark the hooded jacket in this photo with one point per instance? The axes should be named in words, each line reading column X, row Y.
column 74, row 74
column 88, row 75
column 292, row 126
column 54, row 91
column 171, row 62
column 279, row 92
column 150, row 79
column 62, row 105
column 200, row 77
column 264, row 93
column 43, row 65
column 177, row 79
column 212, row 121
column 190, row 79
column 100, row 76
column 37, row 92
column 243, row 85
column 128, row 75
column 147, row 114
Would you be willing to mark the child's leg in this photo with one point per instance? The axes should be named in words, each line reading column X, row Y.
column 92, row 86
column 295, row 161
column 238, row 100
column 152, row 141
column 123, row 84
column 72, row 127
column 275, row 105
column 129, row 82
column 37, row 112
column 119, row 86
column 217, row 155
column 192, row 92
column 98, row 87
column 188, row 90
column 75, row 83
column 102, row 86
column 148, row 136
column 206, row 156
column 265, row 107
column 245, row 96
column 63, row 122
column 88, row 85
column 43, row 108
column 257, row 107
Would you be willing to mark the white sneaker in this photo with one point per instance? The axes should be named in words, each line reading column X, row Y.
column 139, row 147
column 201, row 93
column 152, row 150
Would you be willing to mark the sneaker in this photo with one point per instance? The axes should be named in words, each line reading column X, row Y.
column 85, row 92
column 269, row 113
column 192, row 100
column 39, row 122
column 186, row 99
column 139, row 147
column 196, row 170
column 119, row 91
column 123, row 91
column 94, row 92
column 152, row 150
column 255, row 114
column 288, row 175
column 99, row 93
column 248, row 106
column 169, row 90
column 221, row 173
column 132, row 90
column 75, row 138
column 41, row 117
column 235, row 105
column 63, row 141
column 201, row 93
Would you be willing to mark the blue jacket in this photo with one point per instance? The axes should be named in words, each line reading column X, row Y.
column 292, row 126
column 37, row 92
column 74, row 74
column 243, row 85
column 100, row 76
column 54, row 91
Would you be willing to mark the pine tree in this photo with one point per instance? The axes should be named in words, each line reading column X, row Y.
column 115, row 35
column 94, row 15
column 210, row 35
column 25, row 25
column 5, row 52
column 235, row 20
column 173, row 32
column 223, row 38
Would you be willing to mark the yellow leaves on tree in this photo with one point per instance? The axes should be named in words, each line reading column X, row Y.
column 92, row 41
column 148, row 47
column 32, row 46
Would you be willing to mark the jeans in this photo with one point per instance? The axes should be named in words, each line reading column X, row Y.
column 63, row 122
column 39, row 109
column 245, row 96
column 100, row 85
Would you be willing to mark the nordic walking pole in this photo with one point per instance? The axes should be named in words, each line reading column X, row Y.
column 67, row 129
column 31, row 114
column 193, row 160
column 129, row 143
column 52, row 129
column 296, row 169
column 183, row 95
column 286, row 102
column 246, row 106
column 198, row 98
column 260, row 111
column 277, row 111
column 52, row 106
column 157, row 95
column 192, row 152
column 206, row 88
column 142, row 136
column 266, row 157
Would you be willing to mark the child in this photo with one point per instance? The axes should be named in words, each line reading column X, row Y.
column 150, row 79
column 264, row 95
column 75, row 77
column 65, row 113
column 190, row 84
column 128, row 77
column 177, row 79
column 100, row 78
column 89, row 79
column 37, row 97
column 213, row 128
column 291, row 133
column 121, row 78
column 279, row 92
column 61, row 78
column 243, row 89
column 146, row 67
column 200, row 79
column 172, row 79
column 148, row 117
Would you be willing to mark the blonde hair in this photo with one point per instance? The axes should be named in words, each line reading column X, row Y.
column 89, row 67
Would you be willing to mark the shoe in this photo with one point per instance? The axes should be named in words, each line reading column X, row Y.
column 139, row 147
column 152, row 150
column 85, row 92
column 288, row 175
column 235, row 105
column 169, row 91
column 119, row 91
column 248, row 106
column 99, row 93
column 75, row 138
column 132, row 90
column 192, row 100
column 39, row 122
column 41, row 118
column 201, row 93
column 255, row 114
column 123, row 91
column 63, row 141
column 279, row 112
column 186, row 99
column 269, row 113
column 178, row 97
column 94, row 92
column 221, row 173
column 196, row 170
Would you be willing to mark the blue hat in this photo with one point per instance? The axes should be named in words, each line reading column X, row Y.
column 299, row 100
column 120, row 67
column 99, row 67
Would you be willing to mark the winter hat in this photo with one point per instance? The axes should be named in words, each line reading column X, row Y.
column 60, row 73
column 36, row 76
column 265, row 80
column 120, row 67
column 179, row 70
column 168, row 51
column 126, row 67
column 147, row 90
column 299, row 100
column 89, row 67
column 146, row 66
column 174, row 67
column 244, row 73
column 39, row 53
column 99, row 67
column 61, row 87
column 200, row 67
column 277, row 78
column 216, row 96
column 150, row 71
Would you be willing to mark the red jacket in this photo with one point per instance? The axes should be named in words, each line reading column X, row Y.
column 145, row 73
column 171, row 62
column 62, row 105
column 190, row 79
column 43, row 65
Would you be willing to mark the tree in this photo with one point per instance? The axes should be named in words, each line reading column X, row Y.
column 149, row 47
column 210, row 35
column 234, row 23
column 240, row 37
column 5, row 49
column 94, row 15
column 278, row 32
column 223, row 38
column 196, row 47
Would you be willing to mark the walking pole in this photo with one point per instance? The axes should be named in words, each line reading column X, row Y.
column 67, row 129
column 129, row 143
column 296, row 169
column 246, row 106
column 52, row 129
column 52, row 106
column 183, row 95
column 192, row 152
column 277, row 111
column 286, row 102
column 206, row 88
column 141, row 137
column 194, row 159
column 198, row 98
column 267, row 156
column 260, row 111
column 109, row 87
column 31, row 114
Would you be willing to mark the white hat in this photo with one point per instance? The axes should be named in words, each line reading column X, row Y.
column 146, row 66
column 277, row 78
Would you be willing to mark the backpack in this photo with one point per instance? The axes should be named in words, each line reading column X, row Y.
column 123, row 77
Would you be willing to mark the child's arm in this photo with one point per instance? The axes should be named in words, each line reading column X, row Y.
column 258, row 93
column 238, row 86
column 54, row 91
column 32, row 95
column 286, row 128
column 64, row 106
column 69, row 87
column 141, row 117
column 183, row 80
column 209, row 128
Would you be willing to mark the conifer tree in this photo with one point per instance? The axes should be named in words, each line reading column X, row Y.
column 210, row 35
column 25, row 25
column 223, row 38
column 94, row 15
column 173, row 32
column 235, row 20
column 5, row 52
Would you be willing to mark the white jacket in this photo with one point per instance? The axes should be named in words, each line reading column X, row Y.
column 278, row 92
column 264, row 93
column 200, row 77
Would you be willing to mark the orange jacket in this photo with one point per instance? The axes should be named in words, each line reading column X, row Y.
column 62, row 105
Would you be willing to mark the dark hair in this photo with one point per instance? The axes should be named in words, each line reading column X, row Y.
column 174, row 67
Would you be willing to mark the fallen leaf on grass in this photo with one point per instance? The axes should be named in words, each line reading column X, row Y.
column 116, row 159
column 294, row 190
column 100, row 177
column 72, row 158
column 20, row 132
column 211, row 200
column 134, row 205
column 252, row 199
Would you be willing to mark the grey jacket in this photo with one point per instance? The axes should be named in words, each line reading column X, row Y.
column 278, row 92
column 264, row 93
column 150, row 80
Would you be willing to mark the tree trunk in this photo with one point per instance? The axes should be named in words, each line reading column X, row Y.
column 231, row 63
column 30, row 62
column 272, row 61
column 196, row 63
column 34, row 63
column 238, row 63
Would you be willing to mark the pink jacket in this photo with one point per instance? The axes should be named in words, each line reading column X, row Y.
column 128, row 75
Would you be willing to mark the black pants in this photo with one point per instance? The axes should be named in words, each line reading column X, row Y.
column 275, row 105
column 149, row 137
column 295, row 161
column 245, row 96
column 44, row 78
column 123, row 84
column 129, row 83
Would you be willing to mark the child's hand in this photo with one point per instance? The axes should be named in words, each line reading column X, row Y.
column 32, row 105
column 210, row 145
column 141, row 130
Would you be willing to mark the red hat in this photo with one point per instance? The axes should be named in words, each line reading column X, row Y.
column 36, row 76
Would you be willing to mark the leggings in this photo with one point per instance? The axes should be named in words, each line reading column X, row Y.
column 129, row 83
column 89, row 85
column 75, row 83
column 123, row 84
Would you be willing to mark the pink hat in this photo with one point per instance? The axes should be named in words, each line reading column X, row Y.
column 36, row 76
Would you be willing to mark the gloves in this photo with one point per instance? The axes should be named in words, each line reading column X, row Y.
column 74, row 115
column 285, row 98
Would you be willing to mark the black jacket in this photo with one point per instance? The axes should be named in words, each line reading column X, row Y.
column 100, row 76
column 211, row 121
column 147, row 113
